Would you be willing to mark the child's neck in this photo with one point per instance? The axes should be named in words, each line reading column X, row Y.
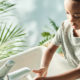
column 76, row 33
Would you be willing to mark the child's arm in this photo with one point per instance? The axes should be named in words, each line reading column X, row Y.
column 70, row 75
column 46, row 58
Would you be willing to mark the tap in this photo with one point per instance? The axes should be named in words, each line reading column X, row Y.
column 5, row 68
column 16, row 75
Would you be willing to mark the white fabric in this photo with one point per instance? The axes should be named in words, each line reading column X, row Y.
column 59, row 65
column 70, row 44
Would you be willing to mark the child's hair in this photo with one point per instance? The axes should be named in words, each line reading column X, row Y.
column 76, row 0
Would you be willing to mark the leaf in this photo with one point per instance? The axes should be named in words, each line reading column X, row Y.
column 5, row 36
column 2, row 34
column 45, row 34
column 11, row 37
column 12, row 32
column 53, row 24
column 11, row 40
column 6, row 6
column 1, row 9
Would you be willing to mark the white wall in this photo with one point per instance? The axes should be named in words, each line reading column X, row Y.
column 33, row 15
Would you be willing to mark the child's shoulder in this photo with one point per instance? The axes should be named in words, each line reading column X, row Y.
column 66, row 25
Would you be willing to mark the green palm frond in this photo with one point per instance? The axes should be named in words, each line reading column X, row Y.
column 45, row 34
column 11, row 40
column 48, row 35
column 6, row 6
column 5, row 9
column 53, row 24
column 11, row 36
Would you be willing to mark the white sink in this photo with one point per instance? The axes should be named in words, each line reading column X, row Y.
column 31, row 58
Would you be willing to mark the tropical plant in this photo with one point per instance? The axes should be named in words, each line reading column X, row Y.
column 5, row 7
column 47, row 36
column 11, row 36
column 11, row 40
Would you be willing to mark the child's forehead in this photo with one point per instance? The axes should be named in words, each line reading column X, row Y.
column 73, row 0
column 73, row 5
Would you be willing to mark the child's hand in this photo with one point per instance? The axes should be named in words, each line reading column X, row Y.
column 40, row 73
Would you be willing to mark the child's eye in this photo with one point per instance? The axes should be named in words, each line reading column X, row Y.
column 76, row 16
column 67, row 12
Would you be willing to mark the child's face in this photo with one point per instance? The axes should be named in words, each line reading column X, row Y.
column 72, row 9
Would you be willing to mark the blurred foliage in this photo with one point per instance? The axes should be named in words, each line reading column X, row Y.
column 11, row 40
column 11, row 36
column 5, row 7
column 47, row 36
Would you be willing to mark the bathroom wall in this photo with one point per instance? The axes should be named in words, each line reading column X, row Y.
column 33, row 16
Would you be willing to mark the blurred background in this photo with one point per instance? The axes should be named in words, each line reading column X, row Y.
column 28, row 23
column 35, row 14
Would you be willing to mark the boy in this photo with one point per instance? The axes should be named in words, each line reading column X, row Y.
column 69, row 37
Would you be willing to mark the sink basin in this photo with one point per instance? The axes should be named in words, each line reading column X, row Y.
column 31, row 58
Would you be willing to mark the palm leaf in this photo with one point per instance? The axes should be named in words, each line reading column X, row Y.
column 5, row 6
column 53, row 24
column 48, row 36
column 11, row 33
column 12, row 38
column 5, row 36
column 2, row 33
column 45, row 34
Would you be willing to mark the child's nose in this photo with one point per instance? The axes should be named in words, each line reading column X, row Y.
column 72, row 19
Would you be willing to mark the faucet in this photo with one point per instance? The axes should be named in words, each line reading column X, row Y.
column 5, row 68
column 16, row 75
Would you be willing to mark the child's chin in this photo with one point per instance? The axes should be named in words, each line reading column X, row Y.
column 74, row 27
